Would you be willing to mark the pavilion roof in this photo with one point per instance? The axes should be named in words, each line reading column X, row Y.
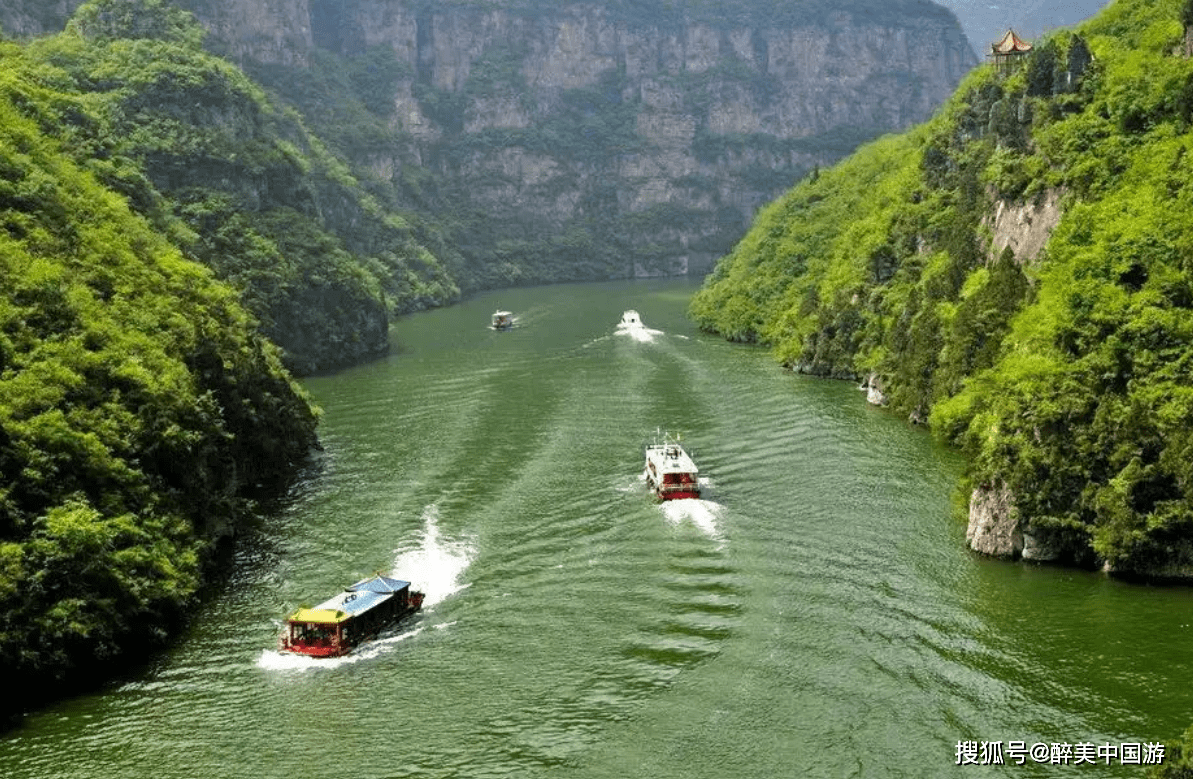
column 1010, row 44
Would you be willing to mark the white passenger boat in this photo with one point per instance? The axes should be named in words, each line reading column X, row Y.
column 502, row 320
column 670, row 472
column 630, row 319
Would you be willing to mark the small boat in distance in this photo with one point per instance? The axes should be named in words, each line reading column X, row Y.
column 502, row 320
column 670, row 472
column 630, row 319
column 338, row 625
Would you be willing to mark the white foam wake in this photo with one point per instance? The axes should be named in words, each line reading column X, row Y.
column 701, row 513
column 637, row 331
column 433, row 565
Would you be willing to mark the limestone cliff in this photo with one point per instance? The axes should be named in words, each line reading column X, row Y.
column 586, row 141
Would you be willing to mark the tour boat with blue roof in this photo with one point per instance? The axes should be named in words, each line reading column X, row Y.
column 338, row 625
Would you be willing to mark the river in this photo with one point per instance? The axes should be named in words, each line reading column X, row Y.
column 815, row 614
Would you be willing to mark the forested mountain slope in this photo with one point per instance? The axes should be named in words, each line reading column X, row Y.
column 1019, row 272
column 139, row 404
column 240, row 183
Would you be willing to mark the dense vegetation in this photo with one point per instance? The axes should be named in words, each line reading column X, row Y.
column 1065, row 376
column 139, row 403
column 239, row 182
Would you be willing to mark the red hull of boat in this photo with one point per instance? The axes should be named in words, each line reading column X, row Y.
column 317, row 651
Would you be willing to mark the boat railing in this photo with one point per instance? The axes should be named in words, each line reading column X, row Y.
column 678, row 487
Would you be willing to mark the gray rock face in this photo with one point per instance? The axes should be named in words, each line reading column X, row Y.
column 1024, row 227
column 994, row 522
column 669, row 135
column 30, row 18
column 1039, row 547
column 271, row 31
column 649, row 143
column 875, row 395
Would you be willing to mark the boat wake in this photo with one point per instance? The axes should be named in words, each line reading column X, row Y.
column 638, row 331
column 701, row 513
column 272, row 660
column 433, row 566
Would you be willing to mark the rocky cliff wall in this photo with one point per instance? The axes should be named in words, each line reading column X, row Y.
column 588, row 140
column 31, row 18
column 656, row 140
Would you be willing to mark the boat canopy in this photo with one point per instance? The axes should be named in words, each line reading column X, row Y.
column 379, row 584
column 361, row 597
column 322, row 616
column 670, row 458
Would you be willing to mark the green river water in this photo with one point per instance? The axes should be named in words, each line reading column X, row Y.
column 816, row 614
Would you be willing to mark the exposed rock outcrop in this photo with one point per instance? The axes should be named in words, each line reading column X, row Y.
column 994, row 522
column 1025, row 227
column 874, row 390
column 996, row 528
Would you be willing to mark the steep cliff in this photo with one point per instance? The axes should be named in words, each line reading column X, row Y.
column 1016, row 273
column 588, row 140
column 550, row 141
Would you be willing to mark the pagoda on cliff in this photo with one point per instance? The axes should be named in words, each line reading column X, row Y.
column 1009, row 52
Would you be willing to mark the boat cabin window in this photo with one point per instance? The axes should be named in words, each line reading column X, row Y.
column 310, row 632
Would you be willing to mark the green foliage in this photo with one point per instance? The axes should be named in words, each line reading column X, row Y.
column 1178, row 759
column 375, row 74
column 138, row 403
column 147, row 19
column 213, row 161
column 1065, row 377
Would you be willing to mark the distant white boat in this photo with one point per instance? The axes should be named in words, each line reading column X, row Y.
column 502, row 320
column 630, row 319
